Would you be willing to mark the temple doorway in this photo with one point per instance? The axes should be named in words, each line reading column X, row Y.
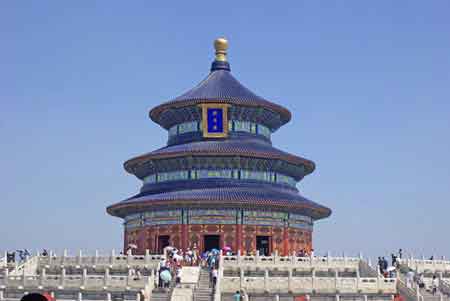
column 163, row 241
column 263, row 245
column 211, row 242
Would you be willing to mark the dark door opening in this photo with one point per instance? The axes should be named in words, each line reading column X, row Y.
column 163, row 241
column 211, row 242
column 263, row 245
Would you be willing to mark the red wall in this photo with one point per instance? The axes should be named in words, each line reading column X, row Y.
column 284, row 240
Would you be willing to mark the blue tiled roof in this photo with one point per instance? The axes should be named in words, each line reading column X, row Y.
column 220, row 86
column 262, row 197
column 229, row 147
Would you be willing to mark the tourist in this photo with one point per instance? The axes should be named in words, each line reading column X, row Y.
column 385, row 264
column 10, row 257
column 215, row 275
column 188, row 256
column 410, row 278
column 421, row 281
column 434, row 285
column 393, row 260
column 380, row 265
column 400, row 253
column 178, row 276
column 237, row 296
column 44, row 253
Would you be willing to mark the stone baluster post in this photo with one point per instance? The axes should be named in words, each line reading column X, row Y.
column 84, row 278
column 308, row 297
column 290, row 280
column 6, row 277
column 147, row 256
column 112, row 257
column 63, row 276
column 38, row 257
column 50, row 257
column 239, row 257
column 338, row 297
column 106, row 280
column 365, row 298
column 313, row 278
column 275, row 257
column 241, row 277
column 129, row 257
column 108, row 296
column 277, row 297
column 43, row 277
column 80, row 257
column 138, row 297
column 257, row 259
column 293, row 258
column 336, row 279
column 96, row 257
column 80, row 296
column 1, row 296
column 24, row 278
column 266, row 280
column 358, row 278
column 63, row 259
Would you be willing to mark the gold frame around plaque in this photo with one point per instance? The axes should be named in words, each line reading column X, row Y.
column 224, row 107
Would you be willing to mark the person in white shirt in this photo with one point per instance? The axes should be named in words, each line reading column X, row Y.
column 434, row 285
column 410, row 278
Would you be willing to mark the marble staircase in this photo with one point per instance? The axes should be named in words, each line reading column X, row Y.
column 203, row 292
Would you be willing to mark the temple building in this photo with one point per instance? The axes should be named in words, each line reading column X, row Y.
column 219, row 181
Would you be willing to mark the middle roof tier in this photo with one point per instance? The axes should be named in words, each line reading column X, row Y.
column 249, row 154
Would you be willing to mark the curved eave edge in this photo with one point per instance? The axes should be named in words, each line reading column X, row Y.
column 155, row 112
column 130, row 164
column 114, row 210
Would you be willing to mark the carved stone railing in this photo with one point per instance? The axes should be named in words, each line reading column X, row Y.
column 444, row 287
column 308, row 284
column 113, row 260
column 81, row 282
column 28, row 267
column 218, row 287
column 339, row 263
column 422, row 265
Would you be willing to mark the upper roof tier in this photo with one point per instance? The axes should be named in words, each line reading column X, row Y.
column 220, row 86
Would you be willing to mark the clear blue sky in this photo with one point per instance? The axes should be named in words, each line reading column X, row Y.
column 368, row 83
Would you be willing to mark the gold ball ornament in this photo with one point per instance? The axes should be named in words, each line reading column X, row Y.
column 221, row 46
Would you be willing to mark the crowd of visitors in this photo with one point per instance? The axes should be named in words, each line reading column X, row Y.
column 174, row 259
column 17, row 256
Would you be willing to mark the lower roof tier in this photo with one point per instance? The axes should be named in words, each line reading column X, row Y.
column 249, row 148
column 258, row 197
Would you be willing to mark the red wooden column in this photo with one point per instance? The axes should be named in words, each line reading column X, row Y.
column 239, row 238
column 184, row 236
column 285, row 241
column 125, row 240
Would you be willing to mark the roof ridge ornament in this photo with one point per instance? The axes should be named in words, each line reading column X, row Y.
column 221, row 46
column 220, row 62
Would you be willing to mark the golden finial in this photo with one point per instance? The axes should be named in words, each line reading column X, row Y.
column 221, row 46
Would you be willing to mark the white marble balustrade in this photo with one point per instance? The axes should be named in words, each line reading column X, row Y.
column 423, row 265
column 338, row 263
